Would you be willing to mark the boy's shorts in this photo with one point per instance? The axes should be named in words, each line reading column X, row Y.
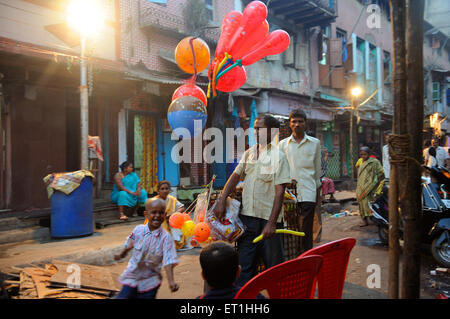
column 128, row 292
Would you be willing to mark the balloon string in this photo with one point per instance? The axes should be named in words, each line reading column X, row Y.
column 191, row 42
column 210, row 77
column 224, row 60
column 228, row 59
column 216, row 69
column 226, row 65
column 238, row 63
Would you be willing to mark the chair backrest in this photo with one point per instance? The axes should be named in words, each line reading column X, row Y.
column 332, row 274
column 293, row 279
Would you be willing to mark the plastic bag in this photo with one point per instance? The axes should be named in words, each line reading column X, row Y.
column 231, row 228
column 200, row 208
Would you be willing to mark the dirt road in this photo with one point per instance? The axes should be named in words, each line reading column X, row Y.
column 367, row 257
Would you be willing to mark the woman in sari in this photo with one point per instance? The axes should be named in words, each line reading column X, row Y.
column 127, row 190
column 370, row 181
column 172, row 206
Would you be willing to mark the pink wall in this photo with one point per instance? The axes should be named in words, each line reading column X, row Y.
column 348, row 12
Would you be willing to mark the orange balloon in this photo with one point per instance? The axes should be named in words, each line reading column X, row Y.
column 186, row 217
column 176, row 220
column 201, row 232
column 185, row 58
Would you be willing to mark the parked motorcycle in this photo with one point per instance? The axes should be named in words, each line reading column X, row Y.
column 435, row 214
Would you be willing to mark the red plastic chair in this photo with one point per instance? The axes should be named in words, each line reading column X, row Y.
column 335, row 261
column 293, row 279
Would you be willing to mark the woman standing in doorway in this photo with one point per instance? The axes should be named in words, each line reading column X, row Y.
column 370, row 177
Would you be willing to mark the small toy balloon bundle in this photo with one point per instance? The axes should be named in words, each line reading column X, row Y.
column 244, row 40
column 199, row 233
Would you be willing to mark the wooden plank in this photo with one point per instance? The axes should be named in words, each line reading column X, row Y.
column 337, row 78
column 335, row 52
column 81, row 289
column 108, row 222
column 93, row 277
column 323, row 72
column 348, row 64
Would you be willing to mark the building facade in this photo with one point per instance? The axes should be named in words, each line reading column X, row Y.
column 40, row 99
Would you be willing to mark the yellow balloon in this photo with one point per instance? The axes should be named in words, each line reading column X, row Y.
column 188, row 228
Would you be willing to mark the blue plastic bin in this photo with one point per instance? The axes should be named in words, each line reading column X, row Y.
column 72, row 215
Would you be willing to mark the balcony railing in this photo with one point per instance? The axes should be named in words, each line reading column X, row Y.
column 308, row 13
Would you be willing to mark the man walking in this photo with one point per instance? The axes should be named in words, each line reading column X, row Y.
column 386, row 158
column 441, row 153
column 266, row 173
column 303, row 153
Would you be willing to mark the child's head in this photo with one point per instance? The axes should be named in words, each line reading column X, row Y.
column 155, row 212
column 220, row 264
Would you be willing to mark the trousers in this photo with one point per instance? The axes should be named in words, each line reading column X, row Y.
column 306, row 224
column 270, row 250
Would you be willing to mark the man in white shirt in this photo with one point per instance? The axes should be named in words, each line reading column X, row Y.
column 303, row 153
column 386, row 164
column 266, row 172
column 441, row 153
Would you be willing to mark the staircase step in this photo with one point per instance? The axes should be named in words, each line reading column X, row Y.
column 102, row 223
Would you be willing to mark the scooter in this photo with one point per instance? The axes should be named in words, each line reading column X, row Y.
column 435, row 214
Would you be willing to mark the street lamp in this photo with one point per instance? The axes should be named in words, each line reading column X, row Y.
column 86, row 17
column 355, row 93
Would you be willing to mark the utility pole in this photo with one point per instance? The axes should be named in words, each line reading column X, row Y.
column 84, row 108
column 399, row 127
column 352, row 163
column 410, row 287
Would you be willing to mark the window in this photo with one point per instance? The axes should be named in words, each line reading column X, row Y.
column 360, row 67
column 324, row 51
column 448, row 96
column 341, row 33
column 436, row 91
column 387, row 68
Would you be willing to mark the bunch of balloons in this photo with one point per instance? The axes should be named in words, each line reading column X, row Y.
column 189, row 101
column 244, row 40
column 199, row 232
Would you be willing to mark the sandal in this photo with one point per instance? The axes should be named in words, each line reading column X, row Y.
column 123, row 217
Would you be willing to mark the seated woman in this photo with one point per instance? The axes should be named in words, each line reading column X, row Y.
column 127, row 190
column 172, row 206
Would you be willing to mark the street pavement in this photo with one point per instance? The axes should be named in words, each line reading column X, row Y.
column 99, row 249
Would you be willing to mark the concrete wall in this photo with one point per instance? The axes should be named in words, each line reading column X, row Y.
column 436, row 13
column 357, row 23
column 138, row 45
column 25, row 21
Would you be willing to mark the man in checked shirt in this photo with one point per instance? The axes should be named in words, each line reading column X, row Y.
column 153, row 248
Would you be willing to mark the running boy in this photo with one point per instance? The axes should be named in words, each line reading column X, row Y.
column 153, row 248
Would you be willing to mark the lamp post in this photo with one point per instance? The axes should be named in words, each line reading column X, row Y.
column 86, row 17
column 355, row 92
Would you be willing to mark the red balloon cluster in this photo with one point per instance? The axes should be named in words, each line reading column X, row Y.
column 244, row 40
